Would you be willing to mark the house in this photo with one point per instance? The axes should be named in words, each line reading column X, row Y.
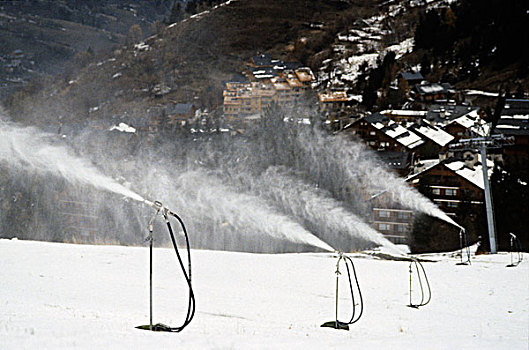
column 436, row 140
column 382, row 133
column 442, row 114
column 181, row 114
column 263, row 60
column 404, row 115
column 336, row 100
column 468, row 125
column 408, row 79
column 399, row 162
column 452, row 183
column 431, row 92
column 514, row 123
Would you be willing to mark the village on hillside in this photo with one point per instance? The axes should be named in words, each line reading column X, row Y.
column 432, row 141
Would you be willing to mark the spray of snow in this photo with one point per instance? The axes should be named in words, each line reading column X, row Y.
column 35, row 151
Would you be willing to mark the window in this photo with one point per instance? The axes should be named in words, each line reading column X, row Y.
column 451, row 204
column 384, row 144
column 402, row 215
column 384, row 214
column 450, row 192
column 401, row 228
column 384, row 227
column 436, row 191
column 372, row 133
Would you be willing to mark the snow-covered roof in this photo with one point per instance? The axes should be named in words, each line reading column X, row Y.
column 394, row 130
column 404, row 113
column 412, row 76
column 433, row 133
column 517, row 124
column 402, row 135
column 473, row 122
column 474, row 175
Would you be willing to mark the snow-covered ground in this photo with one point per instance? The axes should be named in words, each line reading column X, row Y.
column 55, row 296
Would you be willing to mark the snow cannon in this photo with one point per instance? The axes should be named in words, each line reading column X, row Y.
column 464, row 246
column 166, row 213
column 336, row 324
column 515, row 247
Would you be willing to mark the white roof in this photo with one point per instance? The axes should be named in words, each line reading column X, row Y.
column 404, row 112
column 399, row 133
column 437, row 135
column 474, row 175
column 473, row 122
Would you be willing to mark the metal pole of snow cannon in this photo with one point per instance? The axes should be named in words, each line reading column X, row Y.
column 337, row 284
column 514, row 245
column 150, row 238
column 463, row 236
column 158, row 207
column 511, row 249
column 410, row 286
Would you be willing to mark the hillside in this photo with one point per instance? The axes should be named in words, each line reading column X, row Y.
column 43, row 38
column 188, row 61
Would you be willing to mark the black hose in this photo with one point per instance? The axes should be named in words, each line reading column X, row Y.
column 361, row 303
column 420, row 272
column 187, row 274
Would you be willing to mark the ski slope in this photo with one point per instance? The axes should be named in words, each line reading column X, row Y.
column 65, row 296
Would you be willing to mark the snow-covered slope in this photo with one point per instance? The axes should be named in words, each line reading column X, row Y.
column 55, row 296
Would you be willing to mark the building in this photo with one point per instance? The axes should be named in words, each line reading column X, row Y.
column 514, row 123
column 269, row 81
column 395, row 224
column 452, row 183
column 404, row 115
column 466, row 126
column 435, row 139
column 432, row 92
column 391, row 219
column 408, row 79
column 334, row 100
column 383, row 134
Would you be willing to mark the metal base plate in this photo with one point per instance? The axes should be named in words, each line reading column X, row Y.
column 159, row 327
column 336, row 325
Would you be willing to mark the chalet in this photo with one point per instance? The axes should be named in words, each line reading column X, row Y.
column 436, row 140
column 466, row 126
column 442, row 114
column 452, row 183
column 408, row 79
column 399, row 162
column 263, row 60
column 431, row 92
column 404, row 115
column 514, row 122
column 181, row 114
column 382, row 133
column 336, row 99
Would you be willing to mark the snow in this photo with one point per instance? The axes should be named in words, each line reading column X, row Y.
column 474, row 175
column 439, row 136
column 123, row 128
column 57, row 296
